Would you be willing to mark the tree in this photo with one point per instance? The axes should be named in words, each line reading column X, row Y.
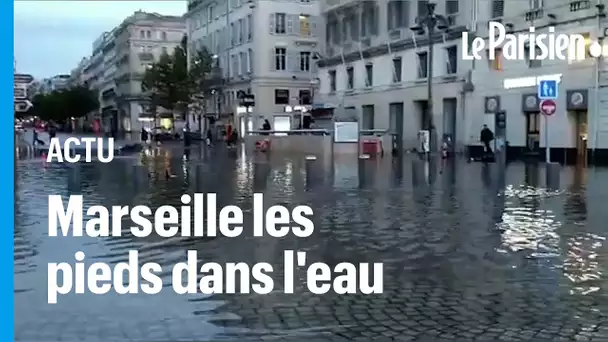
column 158, row 81
column 170, row 83
column 61, row 105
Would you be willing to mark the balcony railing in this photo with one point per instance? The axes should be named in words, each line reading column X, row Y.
column 581, row 5
column 534, row 14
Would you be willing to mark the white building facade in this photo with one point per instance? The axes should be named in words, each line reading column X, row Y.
column 385, row 86
column 375, row 67
column 262, row 47
column 578, row 131
column 118, row 62
column 139, row 42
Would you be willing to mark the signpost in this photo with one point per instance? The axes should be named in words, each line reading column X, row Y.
column 20, row 83
column 547, row 93
column 22, row 105
column 19, row 91
column 23, row 78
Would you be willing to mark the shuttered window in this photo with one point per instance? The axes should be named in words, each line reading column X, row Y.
column 498, row 9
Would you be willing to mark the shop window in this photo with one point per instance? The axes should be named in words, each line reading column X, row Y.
column 496, row 63
column 281, row 96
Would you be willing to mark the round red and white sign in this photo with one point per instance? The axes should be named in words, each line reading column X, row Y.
column 548, row 107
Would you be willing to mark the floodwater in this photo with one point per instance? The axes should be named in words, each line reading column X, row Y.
column 465, row 256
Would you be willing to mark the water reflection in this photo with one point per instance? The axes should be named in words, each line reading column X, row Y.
column 462, row 253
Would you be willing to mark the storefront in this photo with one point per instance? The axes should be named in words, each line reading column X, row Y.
column 528, row 131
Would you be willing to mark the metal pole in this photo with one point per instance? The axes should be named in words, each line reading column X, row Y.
column 547, row 148
column 429, row 119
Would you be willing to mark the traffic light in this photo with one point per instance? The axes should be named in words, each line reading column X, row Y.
column 500, row 120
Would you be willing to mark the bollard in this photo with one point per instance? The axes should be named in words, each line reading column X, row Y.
column 552, row 173
column 309, row 170
column 363, row 169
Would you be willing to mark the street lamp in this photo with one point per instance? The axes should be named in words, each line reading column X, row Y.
column 429, row 24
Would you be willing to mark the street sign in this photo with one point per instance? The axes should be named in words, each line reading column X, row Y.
column 22, row 105
column 23, row 78
column 247, row 100
column 548, row 107
column 19, row 91
column 547, row 89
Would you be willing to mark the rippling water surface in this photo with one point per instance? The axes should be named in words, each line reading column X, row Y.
column 464, row 257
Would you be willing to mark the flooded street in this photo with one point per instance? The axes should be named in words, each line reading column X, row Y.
column 460, row 262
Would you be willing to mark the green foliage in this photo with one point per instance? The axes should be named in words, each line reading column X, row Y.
column 64, row 104
column 170, row 83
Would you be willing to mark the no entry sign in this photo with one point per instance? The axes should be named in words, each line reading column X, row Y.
column 548, row 107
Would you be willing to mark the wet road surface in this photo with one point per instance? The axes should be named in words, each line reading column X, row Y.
column 460, row 262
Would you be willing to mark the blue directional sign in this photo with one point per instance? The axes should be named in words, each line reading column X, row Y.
column 547, row 89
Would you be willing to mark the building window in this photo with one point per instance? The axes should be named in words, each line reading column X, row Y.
column 142, row 34
column 279, row 23
column 250, row 60
column 369, row 75
column 304, row 25
column 351, row 25
column 498, row 9
column 422, row 8
column 397, row 69
column 235, row 65
column 531, row 60
column 423, row 64
column 249, row 27
column 307, row 1
column 243, row 58
column 398, row 14
column 333, row 32
column 241, row 31
column 350, row 78
column 280, row 56
column 496, row 64
column 305, row 61
column 281, row 96
column 149, row 34
column 305, row 97
column 211, row 13
column 451, row 7
column 332, row 80
column 369, row 19
column 163, row 35
column 536, row 4
column 452, row 59
column 233, row 33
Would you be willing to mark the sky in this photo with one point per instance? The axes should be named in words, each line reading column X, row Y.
column 51, row 37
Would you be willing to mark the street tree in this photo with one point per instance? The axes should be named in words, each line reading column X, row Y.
column 169, row 82
column 61, row 105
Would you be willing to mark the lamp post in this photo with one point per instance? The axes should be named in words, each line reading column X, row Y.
column 216, row 74
column 429, row 24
